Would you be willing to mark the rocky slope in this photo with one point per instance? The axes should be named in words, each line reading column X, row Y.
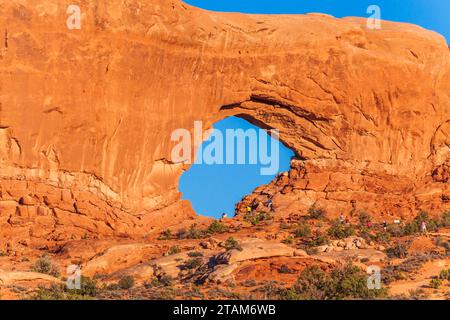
column 236, row 259
column 86, row 115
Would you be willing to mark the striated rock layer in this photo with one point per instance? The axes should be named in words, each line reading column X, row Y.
column 86, row 115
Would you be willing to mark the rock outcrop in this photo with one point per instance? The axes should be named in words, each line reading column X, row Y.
column 256, row 249
column 86, row 116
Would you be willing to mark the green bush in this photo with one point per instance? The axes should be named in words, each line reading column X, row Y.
column 231, row 244
column 57, row 292
column 193, row 263
column 45, row 265
column 364, row 218
column 316, row 213
column 395, row 230
column 87, row 291
column 162, row 281
column 302, row 230
column 288, row 240
column 165, row 235
column 348, row 282
column 174, row 250
column 400, row 271
column 257, row 218
column 340, row 231
column 399, row 250
column 88, row 287
column 318, row 240
column 286, row 226
column 195, row 254
column 414, row 226
column 196, row 233
column 444, row 275
column 217, row 227
column 435, row 283
column 441, row 242
column 126, row 282
column 382, row 237
column 445, row 221
column 285, row 269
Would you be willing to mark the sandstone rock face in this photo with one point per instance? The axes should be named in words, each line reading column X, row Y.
column 86, row 116
column 116, row 258
column 11, row 277
column 255, row 250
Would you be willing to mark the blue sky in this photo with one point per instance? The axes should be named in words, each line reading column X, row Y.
column 430, row 14
column 214, row 189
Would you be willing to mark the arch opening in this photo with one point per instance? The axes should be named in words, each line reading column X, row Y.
column 238, row 157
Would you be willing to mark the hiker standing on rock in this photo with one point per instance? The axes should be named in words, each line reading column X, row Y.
column 423, row 227
column 341, row 218
column 385, row 226
column 270, row 205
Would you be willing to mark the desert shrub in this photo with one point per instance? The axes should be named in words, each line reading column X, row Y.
column 410, row 229
column 161, row 281
column 257, row 218
column 445, row 220
column 316, row 213
column 57, row 292
column 440, row 242
column 348, row 282
column 340, row 231
column 302, row 230
column 45, row 265
column 217, row 227
column 195, row 254
column 174, row 250
column 288, row 240
column 126, row 282
column 196, row 233
column 444, row 275
column 270, row 289
column 398, row 250
column 394, row 230
column 417, row 294
column 193, row 263
column 88, row 287
column 88, row 290
column 249, row 283
column 382, row 237
column 435, row 283
column 286, row 226
column 165, row 235
column 231, row 244
column 364, row 218
column 285, row 269
column 318, row 240
column 398, row 272
column 413, row 227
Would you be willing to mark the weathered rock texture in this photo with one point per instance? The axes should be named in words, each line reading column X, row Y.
column 86, row 115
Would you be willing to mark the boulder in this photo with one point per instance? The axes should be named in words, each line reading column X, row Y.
column 300, row 253
column 13, row 277
column 255, row 250
column 116, row 258
column 223, row 272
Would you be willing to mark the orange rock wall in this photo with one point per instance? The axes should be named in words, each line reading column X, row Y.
column 90, row 112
